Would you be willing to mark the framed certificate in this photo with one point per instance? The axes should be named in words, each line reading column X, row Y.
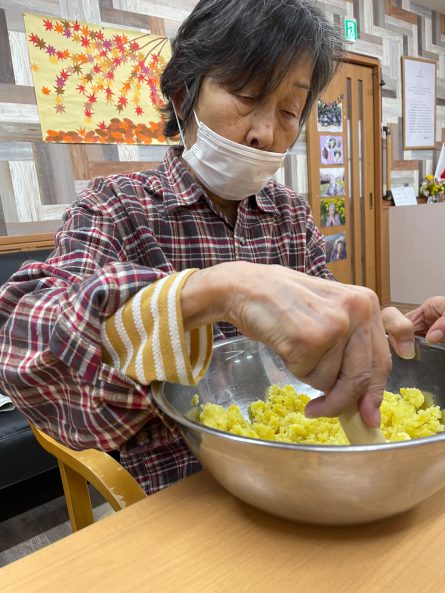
column 419, row 103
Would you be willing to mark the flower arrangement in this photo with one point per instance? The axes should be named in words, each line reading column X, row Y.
column 433, row 189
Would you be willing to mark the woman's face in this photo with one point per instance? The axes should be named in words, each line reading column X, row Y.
column 271, row 123
column 332, row 209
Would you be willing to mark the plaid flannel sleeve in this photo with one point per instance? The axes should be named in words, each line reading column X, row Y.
column 51, row 314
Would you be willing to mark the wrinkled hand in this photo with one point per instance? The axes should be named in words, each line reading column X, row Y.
column 329, row 334
column 429, row 319
column 426, row 320
column 400, row 332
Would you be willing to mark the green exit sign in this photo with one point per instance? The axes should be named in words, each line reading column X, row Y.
column 351, row 30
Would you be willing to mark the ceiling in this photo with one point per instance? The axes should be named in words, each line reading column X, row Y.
column 437, row 5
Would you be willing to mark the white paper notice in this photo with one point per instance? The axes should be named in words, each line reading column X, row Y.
column 404, row 196
column 419, row 103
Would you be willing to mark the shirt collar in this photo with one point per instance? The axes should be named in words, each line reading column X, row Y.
column 181, row 189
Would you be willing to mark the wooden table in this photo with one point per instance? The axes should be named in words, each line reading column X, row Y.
column 197, row 538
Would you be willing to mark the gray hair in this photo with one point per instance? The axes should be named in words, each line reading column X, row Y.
column 239, row 42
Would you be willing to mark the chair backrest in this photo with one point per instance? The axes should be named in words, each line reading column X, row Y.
column 105, row 474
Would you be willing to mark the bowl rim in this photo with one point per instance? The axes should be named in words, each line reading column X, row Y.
column 169, row 410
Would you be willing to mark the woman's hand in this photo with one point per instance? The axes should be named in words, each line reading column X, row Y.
column 426, row 320
column 400, row 332
column 429, row 319
column 329, row 334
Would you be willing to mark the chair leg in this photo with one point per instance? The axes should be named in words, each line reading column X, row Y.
column 75, row 488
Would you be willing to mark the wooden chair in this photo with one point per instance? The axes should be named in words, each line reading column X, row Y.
column 105, row 474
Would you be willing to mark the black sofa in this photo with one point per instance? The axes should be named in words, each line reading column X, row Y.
column 21, row 456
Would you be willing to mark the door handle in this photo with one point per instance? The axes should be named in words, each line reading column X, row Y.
column 371, row 201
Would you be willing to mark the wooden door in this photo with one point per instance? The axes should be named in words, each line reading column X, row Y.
column 342, row 179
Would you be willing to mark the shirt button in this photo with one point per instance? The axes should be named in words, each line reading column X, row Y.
column 242, row 240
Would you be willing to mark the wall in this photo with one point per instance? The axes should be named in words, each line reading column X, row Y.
column 38, row 179
column 389, row 30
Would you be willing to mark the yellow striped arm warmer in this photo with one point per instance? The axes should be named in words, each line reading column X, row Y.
column 145, row 339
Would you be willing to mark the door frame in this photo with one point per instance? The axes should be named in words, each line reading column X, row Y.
column 381, row 231
column 380, row 212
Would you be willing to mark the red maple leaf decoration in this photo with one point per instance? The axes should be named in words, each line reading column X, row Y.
column 101, row 73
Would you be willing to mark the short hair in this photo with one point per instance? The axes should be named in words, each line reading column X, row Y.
column 248, row 41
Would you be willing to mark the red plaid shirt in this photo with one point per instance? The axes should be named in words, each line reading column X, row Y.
column 123, row 233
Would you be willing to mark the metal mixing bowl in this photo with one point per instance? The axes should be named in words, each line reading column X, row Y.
column 334, row 485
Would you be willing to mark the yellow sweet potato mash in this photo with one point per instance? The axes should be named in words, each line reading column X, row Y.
column 405, row 416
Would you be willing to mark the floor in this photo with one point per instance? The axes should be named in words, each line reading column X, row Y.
column 30, row 522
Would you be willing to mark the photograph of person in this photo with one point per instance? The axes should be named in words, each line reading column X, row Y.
column 331, row 150
column 332, row 182
column 332, row 212
column 330, row 115
column 336, row 247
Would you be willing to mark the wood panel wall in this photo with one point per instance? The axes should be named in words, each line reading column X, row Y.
column 37, row 180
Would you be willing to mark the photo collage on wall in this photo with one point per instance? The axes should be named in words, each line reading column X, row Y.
column 332, row 176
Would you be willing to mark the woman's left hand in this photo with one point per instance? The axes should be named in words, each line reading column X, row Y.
column 400, row 330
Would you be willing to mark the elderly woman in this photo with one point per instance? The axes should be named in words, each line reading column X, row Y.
column 150, row 267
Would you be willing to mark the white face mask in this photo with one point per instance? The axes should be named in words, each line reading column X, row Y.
column 229, row 170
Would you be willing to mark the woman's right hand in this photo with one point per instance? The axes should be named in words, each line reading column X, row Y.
column 329, row 334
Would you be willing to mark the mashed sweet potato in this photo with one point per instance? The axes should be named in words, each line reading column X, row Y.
column 405, row 416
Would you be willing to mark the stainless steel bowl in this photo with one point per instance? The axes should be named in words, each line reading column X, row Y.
column 332, row 485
